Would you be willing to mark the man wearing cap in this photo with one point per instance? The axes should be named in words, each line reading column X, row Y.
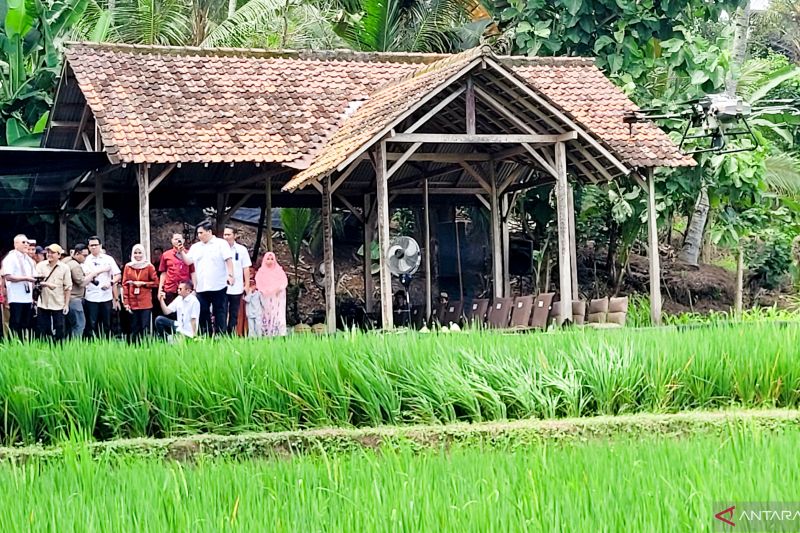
column 19, row 271
column 53, row 303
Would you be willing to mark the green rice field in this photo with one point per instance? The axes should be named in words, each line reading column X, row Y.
column 107, row 391
column 616, row 484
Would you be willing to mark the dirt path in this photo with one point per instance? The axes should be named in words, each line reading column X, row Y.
column 289, row 443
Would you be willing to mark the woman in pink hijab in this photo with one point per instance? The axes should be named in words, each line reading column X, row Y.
column 271, row 282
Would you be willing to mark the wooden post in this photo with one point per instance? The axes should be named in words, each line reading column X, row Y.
column 327, row 243
column 652, row 242
column 63, row 219
column 268, row 212
column 428, row 245
column 220, row 213
column 573, row 248
column 369, row 235
column 470, row 107
column 99, row 216
column 738, row 299
column 143, row 180
column 458, row 259
column 259, row 233
column 383, row 236
column 564, row 269
column 506, row 238
column 497, row 251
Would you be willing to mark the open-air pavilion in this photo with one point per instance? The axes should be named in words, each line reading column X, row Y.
column 358, row 131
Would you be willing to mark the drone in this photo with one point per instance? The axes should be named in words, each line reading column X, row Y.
column 714, row 120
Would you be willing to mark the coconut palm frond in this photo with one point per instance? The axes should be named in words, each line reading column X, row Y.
column 771, row 80
column 254, row 18
column 370, row 25
column 432, row 23
column 782, row 173
column 153, row 22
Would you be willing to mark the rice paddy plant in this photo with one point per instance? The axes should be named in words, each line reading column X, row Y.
column 107, row 390
column 614, row 484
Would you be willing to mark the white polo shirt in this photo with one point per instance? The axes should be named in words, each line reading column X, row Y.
column 94, row 293
column 19, row 264
column 186, row 309
column 241, row 260
column 209, row 264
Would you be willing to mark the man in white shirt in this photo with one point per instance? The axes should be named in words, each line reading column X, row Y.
column 102, row 293
column 185, row 306
column 19, row 271
column 241, row 279
column 213, row 267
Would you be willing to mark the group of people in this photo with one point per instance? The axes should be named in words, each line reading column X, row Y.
column 189, row 291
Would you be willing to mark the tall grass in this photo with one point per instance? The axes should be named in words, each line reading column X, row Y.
column 106, row 390
column 618, row 484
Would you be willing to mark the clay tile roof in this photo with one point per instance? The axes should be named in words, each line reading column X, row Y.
column 163, row 105
column 596, row 104
column 312, row 110
column 383, row 108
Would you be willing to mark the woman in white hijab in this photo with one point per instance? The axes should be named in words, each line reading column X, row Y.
column 138, row 281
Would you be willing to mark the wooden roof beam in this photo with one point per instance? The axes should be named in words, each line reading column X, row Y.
column 440, row 157
column 512, row 78
column 481, row 139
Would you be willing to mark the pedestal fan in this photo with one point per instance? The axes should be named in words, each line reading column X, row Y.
column 403, row 259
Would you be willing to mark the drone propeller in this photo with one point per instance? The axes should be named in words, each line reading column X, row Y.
column 715, row 117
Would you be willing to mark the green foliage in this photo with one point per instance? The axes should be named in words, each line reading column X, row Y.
column 403, row 221
column 228, row 386
column 776, row 30
column 769, row 257
column 296, row 223
column 375, row 255
column 401, row 26
column 153, row 22
column 277, row 24
column 503, row 480
column 30, row 48
column 648, row 47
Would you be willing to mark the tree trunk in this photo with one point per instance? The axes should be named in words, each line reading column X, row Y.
column 231, row 8
column 739, row 48
column 611, row 259
column 739, row 280
column 694, row 233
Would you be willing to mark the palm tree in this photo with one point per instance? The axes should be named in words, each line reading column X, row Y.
column 153, row 22
column 694, row 233
column 401, row 25
column 276, row 24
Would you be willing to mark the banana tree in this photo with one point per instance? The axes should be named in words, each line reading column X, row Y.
column 30, row 51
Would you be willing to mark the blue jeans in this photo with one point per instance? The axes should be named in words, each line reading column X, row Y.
column 75, row 319
column 164, row 326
